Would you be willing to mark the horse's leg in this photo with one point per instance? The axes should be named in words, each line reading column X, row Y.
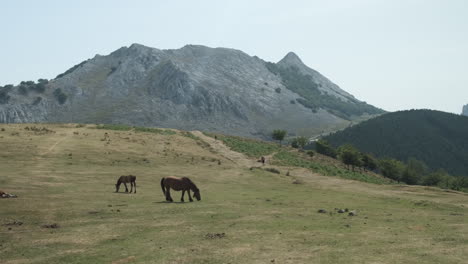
column 126, row 189
column 134, row 183
column 168, row 194
column 190, row 197
column 183, row 193
column 131, row 187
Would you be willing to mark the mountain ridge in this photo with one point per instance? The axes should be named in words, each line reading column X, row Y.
column 194, row 87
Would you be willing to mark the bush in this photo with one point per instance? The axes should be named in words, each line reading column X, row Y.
column 60, row 96
column 392, row 169
column 22, row 89
column 4, row 97
column 322, row 147
column 299, row 142
column 114, row 127
column 311, row 153
column 349, row 155
column 154, row 130
column 273, row 170
column 278, row 90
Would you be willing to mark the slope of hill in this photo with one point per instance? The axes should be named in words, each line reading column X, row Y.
column 67, row 211
column 195, row 87
column 437, row 138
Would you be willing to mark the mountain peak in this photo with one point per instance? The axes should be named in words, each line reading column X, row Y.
column 292, row 59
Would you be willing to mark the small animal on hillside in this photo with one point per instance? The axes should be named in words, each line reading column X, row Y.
column 262, row 160
column 126, row 179
column 183, row 184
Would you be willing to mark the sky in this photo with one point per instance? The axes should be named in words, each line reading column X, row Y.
column 393, row 54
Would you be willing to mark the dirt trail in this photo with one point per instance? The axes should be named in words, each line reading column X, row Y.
column 55, row 144
column 236, row 157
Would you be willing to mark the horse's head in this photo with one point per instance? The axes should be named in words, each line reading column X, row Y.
column 117, row 187
column 196, row 194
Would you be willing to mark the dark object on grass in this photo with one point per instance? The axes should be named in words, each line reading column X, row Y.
column 126, row 179
column 273, row 170
column 183, row 184
column 215, row 235
column 54, row 225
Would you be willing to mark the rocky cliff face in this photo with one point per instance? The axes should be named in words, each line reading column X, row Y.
column 195, row 87
column 465, row 110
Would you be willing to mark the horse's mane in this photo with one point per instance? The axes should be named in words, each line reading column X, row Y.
column 192, row 185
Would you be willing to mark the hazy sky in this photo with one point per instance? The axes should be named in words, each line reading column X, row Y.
column 394, row 54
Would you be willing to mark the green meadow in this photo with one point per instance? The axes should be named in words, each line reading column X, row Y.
column 67, row 210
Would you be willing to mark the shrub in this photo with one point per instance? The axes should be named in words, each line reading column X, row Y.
column 154, row 130
column 22, row 89
column 322, row 147
column 278, row 90
column 60, row 96
column 350, row 156
column 114, row 127
column 4, row 97
column 273, row 170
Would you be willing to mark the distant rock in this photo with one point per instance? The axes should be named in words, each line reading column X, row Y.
column 465, row 110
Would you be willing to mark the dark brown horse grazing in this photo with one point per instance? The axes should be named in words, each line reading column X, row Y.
column 126, row 179
column 179, row 184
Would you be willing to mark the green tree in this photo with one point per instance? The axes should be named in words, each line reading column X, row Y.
column 414, row 172
column 299, row 142
column 322, row 147
column 392, row 168
column 435, row 178
column 368, row 161
column 459, row 183
column 278, row 134
column 350, row 156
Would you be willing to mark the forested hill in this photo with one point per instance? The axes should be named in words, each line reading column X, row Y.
column 437, row 138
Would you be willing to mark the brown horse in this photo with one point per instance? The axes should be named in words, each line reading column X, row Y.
column 179, row 184
column 126, row 179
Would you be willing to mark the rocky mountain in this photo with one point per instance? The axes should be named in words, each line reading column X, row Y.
column 465, row 110
column 195, row 87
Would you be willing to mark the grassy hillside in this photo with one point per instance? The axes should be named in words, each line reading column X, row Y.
column 437, row 138
column 65, row 175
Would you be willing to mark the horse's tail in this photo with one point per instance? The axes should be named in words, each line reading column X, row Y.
column 162, row 186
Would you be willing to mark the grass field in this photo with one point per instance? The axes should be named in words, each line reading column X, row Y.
column 65, row 175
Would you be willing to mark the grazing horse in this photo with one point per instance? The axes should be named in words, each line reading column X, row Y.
column 179, row 184
column 126, row 179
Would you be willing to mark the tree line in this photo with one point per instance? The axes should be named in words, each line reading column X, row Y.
column 412, row 172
